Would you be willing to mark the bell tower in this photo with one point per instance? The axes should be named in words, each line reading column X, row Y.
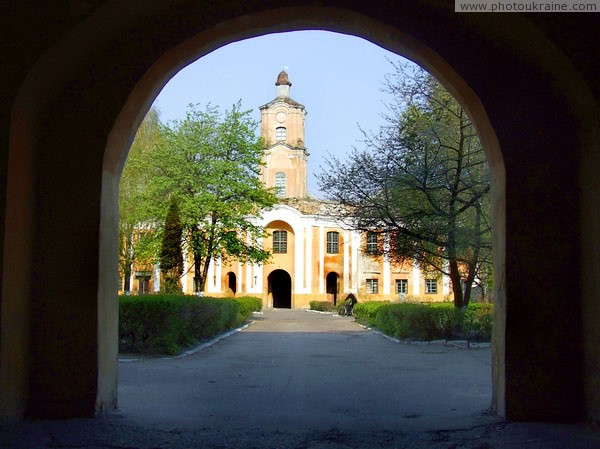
column 285, row 156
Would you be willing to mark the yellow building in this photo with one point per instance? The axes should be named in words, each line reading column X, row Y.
column 314, row 257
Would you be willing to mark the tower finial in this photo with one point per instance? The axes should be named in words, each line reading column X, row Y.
column 282, row 79
column 283, row 85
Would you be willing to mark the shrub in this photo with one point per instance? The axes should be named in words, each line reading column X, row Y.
column 322, row 306
column 365, row 312
column 162, row 324
column 248, row 304
column 478, row 320
column 448, row 319
column 406, row 321
column 210, row 316
column 150, row 324
column 433, row 321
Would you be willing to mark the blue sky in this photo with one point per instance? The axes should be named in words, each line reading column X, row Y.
column 337, row 77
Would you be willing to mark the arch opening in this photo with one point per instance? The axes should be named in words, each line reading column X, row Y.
column 264, row 22
column 279, row 282
column 332, row 286
column 231, row 283
column 280, row 289
column 84, row 65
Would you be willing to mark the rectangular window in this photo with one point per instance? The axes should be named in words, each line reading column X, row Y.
column 372, row 286
column 280, row 182
column 431, row 286
column 333, row 242
column 371, row 242
column 402, row 286
column 280, row 242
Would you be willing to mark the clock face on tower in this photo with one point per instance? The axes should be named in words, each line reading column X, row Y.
column 280, row 117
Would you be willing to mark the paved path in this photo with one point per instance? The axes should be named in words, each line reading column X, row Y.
column 303, row 380
column 294, row 369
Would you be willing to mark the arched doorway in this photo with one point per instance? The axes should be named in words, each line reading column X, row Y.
column 280, row 288
column 232, row 282
column 332, row 286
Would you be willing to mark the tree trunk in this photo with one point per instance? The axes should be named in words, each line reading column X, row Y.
column 456, row 284
column 468, row 289
column 201, row 272
column 199, row 280
column 128, row 257
column 474, row 258
column 127, row 279
column 201, row 267
column 470, row 278
column 205, row 271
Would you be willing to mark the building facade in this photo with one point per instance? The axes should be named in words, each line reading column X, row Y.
column 314, row 257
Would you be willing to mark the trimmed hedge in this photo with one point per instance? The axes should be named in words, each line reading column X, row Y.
column 435, row 321
column 248, row 304
column 478, row 320
column 366, row 312
column 163, row 324
column 322, row 306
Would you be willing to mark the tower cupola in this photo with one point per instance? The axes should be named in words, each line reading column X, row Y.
column 283, row 85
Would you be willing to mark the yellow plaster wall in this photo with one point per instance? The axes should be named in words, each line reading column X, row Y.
column 294, row 124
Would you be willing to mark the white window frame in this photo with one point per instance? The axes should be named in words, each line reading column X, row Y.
column 372, row 286
column 281, row 134
column 279, row 242
column 372, row 239
column 333, row 242
column 431, row 286
column 280, row 184
column 401, row 286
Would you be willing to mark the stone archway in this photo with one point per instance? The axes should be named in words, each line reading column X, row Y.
column 60, row 212
column 280, row 289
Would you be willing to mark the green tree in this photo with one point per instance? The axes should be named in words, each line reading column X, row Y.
column 210, row 162
column 137, row 239
column 422, row 181
column 171, row 256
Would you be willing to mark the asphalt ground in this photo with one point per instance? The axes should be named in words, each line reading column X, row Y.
column 302, row 380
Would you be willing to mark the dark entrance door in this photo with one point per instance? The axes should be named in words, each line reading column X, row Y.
column 332, row 286
column 232, row 282
column 280, row 287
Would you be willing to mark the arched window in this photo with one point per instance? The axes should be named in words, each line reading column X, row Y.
column 280, row 134
column 280, row 242
column 333, row 242
column 280, row 184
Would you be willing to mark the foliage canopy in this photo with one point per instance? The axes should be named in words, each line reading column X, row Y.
column 207, row 166
column 138, row 242
column 210, row 163
column 421, row 183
